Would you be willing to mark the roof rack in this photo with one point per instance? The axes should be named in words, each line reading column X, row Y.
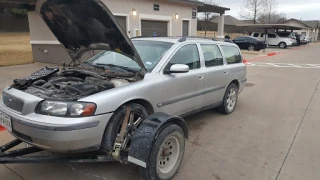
column 184, row 38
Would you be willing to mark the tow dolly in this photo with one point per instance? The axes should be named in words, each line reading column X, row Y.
column 158, row 143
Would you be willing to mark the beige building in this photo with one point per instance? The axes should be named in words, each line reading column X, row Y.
column 136, row 17
column 310, row 28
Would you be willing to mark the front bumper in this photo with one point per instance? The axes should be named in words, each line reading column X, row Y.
column 71, row 135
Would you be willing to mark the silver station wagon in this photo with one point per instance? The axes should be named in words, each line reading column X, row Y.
column 81, row 107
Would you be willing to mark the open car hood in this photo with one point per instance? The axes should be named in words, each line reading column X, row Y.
column 85, row 25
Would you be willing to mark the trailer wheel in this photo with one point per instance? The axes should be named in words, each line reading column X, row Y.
column 166, row 155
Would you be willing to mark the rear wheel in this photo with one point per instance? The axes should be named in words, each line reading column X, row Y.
column 251, row 47
column 282, row 45
column 230, row 99
column 138, row 113
column 166, row 155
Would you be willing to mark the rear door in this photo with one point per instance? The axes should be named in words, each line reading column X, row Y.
column 237, row 69
column 183, row 92
column 216, row 76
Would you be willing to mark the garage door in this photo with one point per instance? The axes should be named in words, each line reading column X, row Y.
column 123, row 22
column 151, row 28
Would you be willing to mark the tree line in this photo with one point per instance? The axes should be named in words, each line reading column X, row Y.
column 262, row 11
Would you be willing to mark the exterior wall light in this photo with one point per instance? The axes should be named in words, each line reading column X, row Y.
column 134, row 12
column 176, row 16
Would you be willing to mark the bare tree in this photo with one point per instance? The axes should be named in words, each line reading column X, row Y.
column 270, row 9
column 251, row 10
column 272, row 18
column 207, row 16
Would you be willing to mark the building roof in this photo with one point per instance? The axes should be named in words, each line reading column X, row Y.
column 273, row 26
column 313, row 23
column 248, row 22
column 298, row 21
column 212, row 8
column 228, row 20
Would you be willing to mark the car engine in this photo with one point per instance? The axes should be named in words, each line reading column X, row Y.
column 73, row 83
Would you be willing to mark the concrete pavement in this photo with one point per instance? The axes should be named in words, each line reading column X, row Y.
column 272, row 135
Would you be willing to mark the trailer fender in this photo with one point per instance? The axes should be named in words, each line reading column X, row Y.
column 143, row 139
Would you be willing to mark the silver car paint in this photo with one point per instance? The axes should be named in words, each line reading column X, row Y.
column 174, row 94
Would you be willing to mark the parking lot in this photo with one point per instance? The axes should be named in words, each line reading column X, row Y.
column 273, row 133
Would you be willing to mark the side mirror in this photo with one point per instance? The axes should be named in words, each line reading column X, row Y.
column 177, row 68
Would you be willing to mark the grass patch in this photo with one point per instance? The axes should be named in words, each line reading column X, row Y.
column 15, row 49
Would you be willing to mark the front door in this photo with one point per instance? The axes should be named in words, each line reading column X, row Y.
column 216, row 74
column 272, row 40
column 183, row 91
column 185, row 28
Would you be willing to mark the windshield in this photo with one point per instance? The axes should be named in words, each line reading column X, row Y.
column 150, row 52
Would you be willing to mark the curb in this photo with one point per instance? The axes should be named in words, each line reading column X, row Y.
column 2, row 128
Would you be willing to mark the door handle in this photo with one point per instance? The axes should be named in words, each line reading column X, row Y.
column 226, row 72
column 200, row 77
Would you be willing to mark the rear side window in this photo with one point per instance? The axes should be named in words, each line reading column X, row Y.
column 256, row 35
column 232, row 54
column 272, row 36
column 187, row 55
column 212, row 55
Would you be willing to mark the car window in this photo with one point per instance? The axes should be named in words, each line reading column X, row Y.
column 187, row 55
column 272, row 36
column 232, row 54
column 212, row 55
column 256, row 35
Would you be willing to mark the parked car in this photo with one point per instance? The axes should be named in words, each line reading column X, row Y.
column 249, row 43
column 303, row 39
column 274, row 40
column 290, row 35
column 81, row 107
column 306, row 39
column 222, row 40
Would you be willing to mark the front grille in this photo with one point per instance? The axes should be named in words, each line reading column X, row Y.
column 12, row 102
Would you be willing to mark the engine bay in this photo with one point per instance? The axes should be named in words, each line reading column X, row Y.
column 73, row 83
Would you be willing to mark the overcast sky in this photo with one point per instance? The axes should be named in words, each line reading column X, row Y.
column 299, row 9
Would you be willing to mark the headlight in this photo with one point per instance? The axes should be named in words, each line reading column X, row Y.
column 66, row 109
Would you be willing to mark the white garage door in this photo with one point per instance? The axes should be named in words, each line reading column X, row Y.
column 154, row 28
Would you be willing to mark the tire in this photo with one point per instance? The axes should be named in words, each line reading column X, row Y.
column 282, row 45
column 114, row 125
column 167, row 136
column 251, row 47
column 225, row 107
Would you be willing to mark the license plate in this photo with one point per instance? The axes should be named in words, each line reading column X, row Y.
column 5, row 121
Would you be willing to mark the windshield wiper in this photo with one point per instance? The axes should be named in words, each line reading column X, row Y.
column 122, row 67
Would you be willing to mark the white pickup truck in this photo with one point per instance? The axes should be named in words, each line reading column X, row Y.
column 274, row 40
